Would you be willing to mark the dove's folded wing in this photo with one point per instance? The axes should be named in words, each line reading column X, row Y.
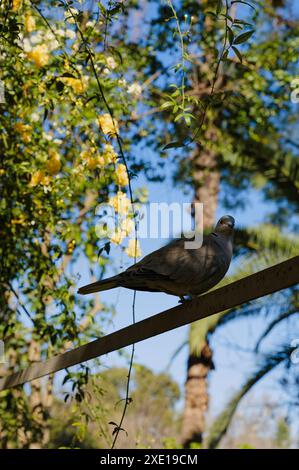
column 175, row 263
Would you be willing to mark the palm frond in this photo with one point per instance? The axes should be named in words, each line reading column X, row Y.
column 273, row 323
column 223, row 421
column 266, row 237
column 175, row 354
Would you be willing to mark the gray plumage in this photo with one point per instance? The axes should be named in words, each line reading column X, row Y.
column 175, row 270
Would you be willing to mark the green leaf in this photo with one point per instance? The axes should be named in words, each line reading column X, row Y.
column 167, row 104
column 175, row 93
column 245, row 23
column 178, row 117
column 244, row 37
column 107, row 248
column 224, row 55
column 238, row 53
column 187, row 120
column 67, row 74
column 219, row 7
column 245, row 3
column 211, row 13
column 231, row 35
column 172, row 145
column 228, row 17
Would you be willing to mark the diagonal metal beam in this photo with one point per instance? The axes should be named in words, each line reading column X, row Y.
column 268, row 281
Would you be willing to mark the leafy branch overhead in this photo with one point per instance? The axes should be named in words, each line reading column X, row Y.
column 185, row 106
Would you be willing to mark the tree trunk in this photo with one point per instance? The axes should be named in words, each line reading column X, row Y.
column 196, row 396
column 206, row 178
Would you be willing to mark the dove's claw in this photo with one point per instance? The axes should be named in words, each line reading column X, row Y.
column 182, row 300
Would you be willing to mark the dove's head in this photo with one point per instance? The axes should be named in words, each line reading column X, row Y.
column 225, row 225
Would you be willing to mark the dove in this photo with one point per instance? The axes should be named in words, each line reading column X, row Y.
column 175, row 270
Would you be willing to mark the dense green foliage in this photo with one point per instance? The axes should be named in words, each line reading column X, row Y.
column 150, row 419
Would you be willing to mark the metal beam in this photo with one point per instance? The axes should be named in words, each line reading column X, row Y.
column 268, row 281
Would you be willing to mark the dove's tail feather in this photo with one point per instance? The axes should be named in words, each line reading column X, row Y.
column 98, row 286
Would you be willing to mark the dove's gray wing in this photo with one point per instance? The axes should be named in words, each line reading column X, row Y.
column 179, row 271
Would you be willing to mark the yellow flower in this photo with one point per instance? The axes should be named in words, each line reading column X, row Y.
column 36, row 178
column 45, row 181
column 29, row 23
column 109, row 154
column 39, row 55
column 108, row 125
column 19, row 221
column 41, row 88
column 53, row 165
column 120, row 203
column 127, row 226
column 24, row 130
column 77, row 85
column 111, row 62
column 70, row 247
column 121, row 175
column 135, row 89
column 21, row 128
column 117, row 237
column 133, row 249
column 16, row 4
column 84, row 154
column 101, row 161
column 92, row 161
column 2, row 171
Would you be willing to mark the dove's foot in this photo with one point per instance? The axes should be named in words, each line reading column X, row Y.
column 182, row 300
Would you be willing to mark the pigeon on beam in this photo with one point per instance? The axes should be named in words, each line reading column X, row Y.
column 175, row 270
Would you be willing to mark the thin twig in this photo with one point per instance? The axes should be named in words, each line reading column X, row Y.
column 215, row 76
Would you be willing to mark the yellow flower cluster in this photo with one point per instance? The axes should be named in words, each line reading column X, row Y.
column 71, row 246
column 16, row 4
column 133, row 249
column 77, row 85
column 122, row 206
column 53, row 165
column 29, row 23
column 39, row 55
column 125, row 228
column 24, row 130
column 92, row 160
column 39, row 177
column 111, row 62
column 120, row 203
column 117, row 237
column 109, row 154
column 108, row 125
column 121, row 175
column 20, row 221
